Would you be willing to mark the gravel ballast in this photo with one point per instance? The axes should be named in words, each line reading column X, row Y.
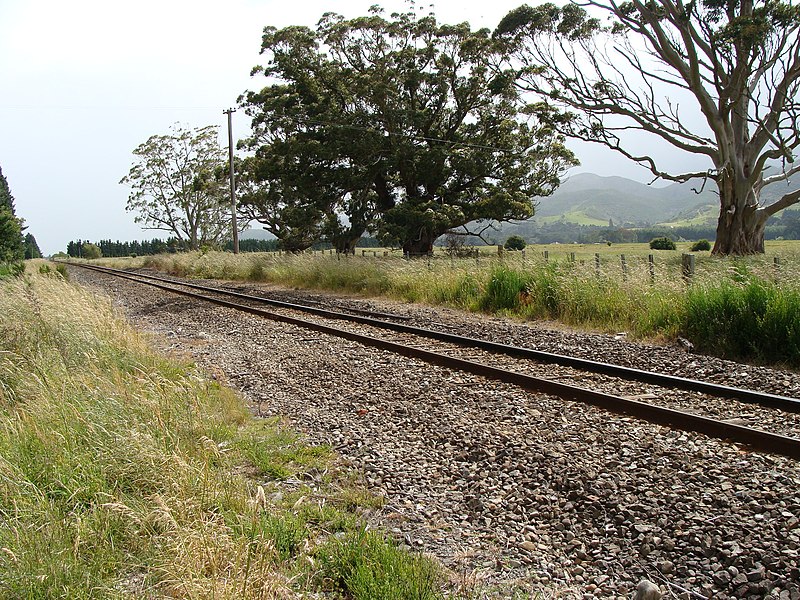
column 509, row 488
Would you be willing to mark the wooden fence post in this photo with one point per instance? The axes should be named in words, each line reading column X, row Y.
column 624, row 267
column 687, row 266
column 651, row 264
column 597, row 263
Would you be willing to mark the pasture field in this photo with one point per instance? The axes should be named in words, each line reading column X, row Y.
column 746, row 308
column 124, row 474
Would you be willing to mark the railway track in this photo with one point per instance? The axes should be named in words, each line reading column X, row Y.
column 513, row 364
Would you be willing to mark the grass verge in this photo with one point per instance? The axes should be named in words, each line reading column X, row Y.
column 124, row 474
column 735, row 308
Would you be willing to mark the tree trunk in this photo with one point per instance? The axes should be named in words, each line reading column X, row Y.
column 740, row 227
column 421, row 246
column 739, row 235
column 347, row 245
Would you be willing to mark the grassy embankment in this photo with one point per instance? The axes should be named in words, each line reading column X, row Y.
column 745, row 308
column 124, row 474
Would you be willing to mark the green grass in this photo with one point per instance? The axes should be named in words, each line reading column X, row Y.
column 127, row 475
column 362, row 566
column 564, row 283
column 577, row 216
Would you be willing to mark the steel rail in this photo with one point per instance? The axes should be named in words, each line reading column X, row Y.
column 755, row 438
column 631, row 374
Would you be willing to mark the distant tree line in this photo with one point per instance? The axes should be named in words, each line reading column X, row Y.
column 109, row 248
column 114, row 249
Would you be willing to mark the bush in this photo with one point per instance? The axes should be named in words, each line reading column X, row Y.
column 91, row 251
column 515, row 242
column 701, row 245
column 662, row 243
column 746, row 317
column 504, row 290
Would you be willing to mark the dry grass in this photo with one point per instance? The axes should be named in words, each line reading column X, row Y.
column 122, row 473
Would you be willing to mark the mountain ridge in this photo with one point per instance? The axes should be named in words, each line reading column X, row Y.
column 620, row 201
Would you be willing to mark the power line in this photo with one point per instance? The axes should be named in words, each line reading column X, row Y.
column 296, row 120
column 301, row 121
column 100, row 107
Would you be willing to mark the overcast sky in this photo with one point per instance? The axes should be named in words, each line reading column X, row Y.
column 84, row 82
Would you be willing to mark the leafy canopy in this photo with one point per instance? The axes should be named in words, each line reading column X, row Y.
column 11, row 227
column 174, row 186
column 400, row 126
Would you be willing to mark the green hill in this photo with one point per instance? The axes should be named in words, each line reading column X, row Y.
column 590, row 199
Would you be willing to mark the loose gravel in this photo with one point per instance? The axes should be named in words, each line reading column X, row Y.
column 511, row 489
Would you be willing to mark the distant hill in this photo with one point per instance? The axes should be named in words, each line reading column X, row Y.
column 589, row 199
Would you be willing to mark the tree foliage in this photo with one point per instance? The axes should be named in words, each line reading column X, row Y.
column 11, row 246
column 662, row 243
column 398, row 126
column 31, row 247
column 716, row 79
column 515, row 242
column 91, row 251
column 174, row 186
column 6, row 199
column 11, row 249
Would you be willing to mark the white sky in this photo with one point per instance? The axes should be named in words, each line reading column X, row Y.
column 84, row 82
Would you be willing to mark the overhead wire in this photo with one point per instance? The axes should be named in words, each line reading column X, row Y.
column 384, row 132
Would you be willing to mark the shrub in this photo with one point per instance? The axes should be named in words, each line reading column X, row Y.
column 701, row 245
column 515, row 242
column 504, row 290
column 91, row 251
column 662, row 243
column 748, row 318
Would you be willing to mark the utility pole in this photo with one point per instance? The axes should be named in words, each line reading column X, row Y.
column 234, row 226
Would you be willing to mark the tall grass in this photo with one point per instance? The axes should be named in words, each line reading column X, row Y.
column 122, row 474
column 743, row 309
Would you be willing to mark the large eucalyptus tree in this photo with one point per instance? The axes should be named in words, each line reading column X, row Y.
column 396, row 125
column 714, row 78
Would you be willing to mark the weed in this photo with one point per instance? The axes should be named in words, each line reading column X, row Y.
column 364, row 566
